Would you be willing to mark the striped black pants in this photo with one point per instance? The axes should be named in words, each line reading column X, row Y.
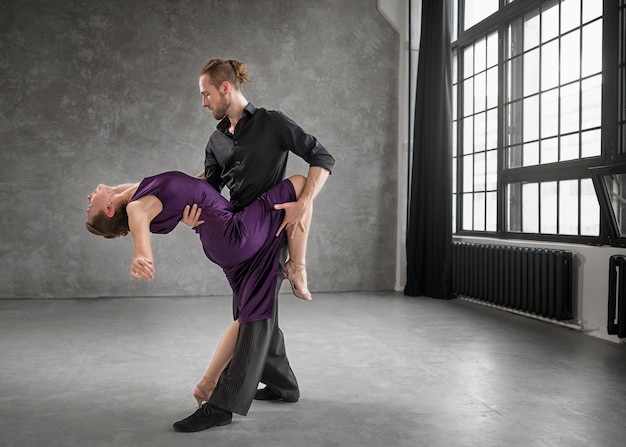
column 259, row 356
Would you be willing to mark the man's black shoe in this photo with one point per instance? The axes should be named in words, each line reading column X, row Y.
column 267, row 394
column 204, row 418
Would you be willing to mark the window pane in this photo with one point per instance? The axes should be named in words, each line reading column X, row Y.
column 468, row 62
column 570, row 148
column 590, row 144
column 550, row 21
column 468, row 212
column 492, row 50
column 468, row 173
column 549, row 113
column 531, row 31
column 455, row 67
column 468, row 97
column 530, row 208
column 550, row 150
column 492, row 170
column 454, row 212
column 514, row 159
column 479, row 132
column 454, row 137
column 454, row 177
column 477, row 10
column 455, row 22
column 531, row 118
column 480, row 55
column 480, row 92
column 616, row 187
column 568, row 207
column 569, row 108
column 514, row 212
column 514, row 79
column 531, row 72
column 592, row 43
column 514, row 123
column 454, row 101
column 513, row 46
column 548, row 208
column 468, row 135
column 570, row 57
column 491, row 211
column 492, row 87
column 479, row 172
column 592, row 102
column 479, row 212
column 492, row 129
column 531, row 154
column 591, row 10
column 570, row 14
column 589, row 209
column 550, row 65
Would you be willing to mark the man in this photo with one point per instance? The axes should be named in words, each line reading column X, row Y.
column 248, row 154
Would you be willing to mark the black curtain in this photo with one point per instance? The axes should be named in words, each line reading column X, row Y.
column 429, row 230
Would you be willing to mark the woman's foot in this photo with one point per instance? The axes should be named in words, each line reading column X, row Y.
column 203, row 390
column 296, row 275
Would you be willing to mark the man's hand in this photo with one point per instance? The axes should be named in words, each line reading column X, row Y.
column 191, row 216
column 294, row 212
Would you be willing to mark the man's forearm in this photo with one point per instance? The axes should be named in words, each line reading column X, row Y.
column 316, row 178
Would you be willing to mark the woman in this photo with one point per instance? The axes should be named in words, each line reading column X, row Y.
column 243, row 244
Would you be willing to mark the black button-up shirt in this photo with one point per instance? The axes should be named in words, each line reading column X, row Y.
column 254, row 158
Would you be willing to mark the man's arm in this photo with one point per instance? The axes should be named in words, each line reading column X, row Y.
column 191, row 216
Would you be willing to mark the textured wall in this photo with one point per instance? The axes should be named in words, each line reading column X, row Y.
column 107, row 91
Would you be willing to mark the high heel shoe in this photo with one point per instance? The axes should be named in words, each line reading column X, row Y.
column 202, row 391
column 290, row 273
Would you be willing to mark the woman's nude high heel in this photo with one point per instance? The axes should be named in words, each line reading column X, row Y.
column 296, row 275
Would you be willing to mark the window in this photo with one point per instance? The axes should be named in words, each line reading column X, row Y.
column 530, row 99
column 479, row 118
column 622, row 77
column 553, row 85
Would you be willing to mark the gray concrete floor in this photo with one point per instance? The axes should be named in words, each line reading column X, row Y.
column 375, row 369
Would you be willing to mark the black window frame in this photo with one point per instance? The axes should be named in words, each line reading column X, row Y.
column 613, row 116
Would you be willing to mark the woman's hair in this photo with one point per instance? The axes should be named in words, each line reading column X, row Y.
column 220, row 70
column 109, row 227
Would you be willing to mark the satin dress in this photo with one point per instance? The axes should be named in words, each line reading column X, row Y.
column 243, row 243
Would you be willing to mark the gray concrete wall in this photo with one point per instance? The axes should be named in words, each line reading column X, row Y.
column 107, row 92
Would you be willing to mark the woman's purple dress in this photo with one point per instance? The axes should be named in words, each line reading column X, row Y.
column 243, row 244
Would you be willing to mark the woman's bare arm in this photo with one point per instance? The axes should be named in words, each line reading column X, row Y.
column 140, row 213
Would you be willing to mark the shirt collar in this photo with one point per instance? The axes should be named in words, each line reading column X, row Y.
column 249, row 110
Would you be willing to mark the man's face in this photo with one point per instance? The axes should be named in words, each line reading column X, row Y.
column 212, row 98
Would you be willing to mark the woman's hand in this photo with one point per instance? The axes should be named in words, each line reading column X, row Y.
column 142, row 267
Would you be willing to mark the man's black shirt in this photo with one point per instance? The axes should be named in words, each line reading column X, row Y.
column 255, row 158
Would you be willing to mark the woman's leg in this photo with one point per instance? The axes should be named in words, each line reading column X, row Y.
column 295, row 270
column 223, row 355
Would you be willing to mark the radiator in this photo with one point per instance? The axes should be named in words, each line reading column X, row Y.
column 617, row 296
column 533, row 280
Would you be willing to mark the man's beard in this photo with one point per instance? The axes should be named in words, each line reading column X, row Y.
column 220, row 111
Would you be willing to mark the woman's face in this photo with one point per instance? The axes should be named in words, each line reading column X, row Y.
column 98, row 201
